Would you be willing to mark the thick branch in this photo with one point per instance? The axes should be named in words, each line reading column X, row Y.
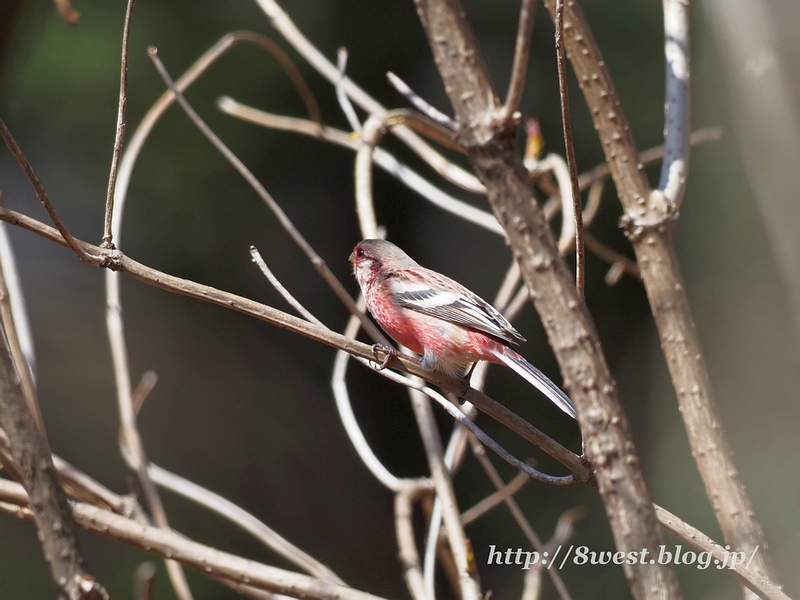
column 649, row 221
column 32, row 459
column 207, row 560
column 493, row 153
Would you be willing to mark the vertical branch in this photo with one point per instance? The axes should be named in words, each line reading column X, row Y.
column 522, row 51
column 492, row 150
column 409, row 556
column 31, row 454
column 649, row 223
column 678, row 101
column 470, row 589
column 9, row 321
column 120, row 134
column 577, row 208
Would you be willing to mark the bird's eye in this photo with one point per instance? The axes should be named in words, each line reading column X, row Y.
column 360, row 252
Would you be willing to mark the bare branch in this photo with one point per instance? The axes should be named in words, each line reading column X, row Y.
column 9, row 322
column 649, row 221
column 120, row 131
column 281, row 21
column 31, row 455
column 203, row 558
column 17, row 298
column 243, row 519
column 409, row 556
column 494, row 499
column 613, row 258
column 348, row 417
column 43, row 197
column 749, row 576
column 678, row 101
column 419, row 103
column 293, row 302
column 566, row 122
column 165, row 101
column 382, row 158
column 493, row 152
column 341, row 94
column 143, row 581
column 522, row 50
column 517, row 513
column 651, row 156
column 578, row 466
column 468, row 583
column 316, row 260
column 563, row 532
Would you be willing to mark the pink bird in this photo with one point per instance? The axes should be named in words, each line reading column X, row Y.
column 432, row 315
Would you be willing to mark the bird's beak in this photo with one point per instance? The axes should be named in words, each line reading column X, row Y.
column 352, row 257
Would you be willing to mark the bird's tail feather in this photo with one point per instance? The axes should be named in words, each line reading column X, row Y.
column 537, row 379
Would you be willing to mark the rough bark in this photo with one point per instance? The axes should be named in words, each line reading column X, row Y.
column 493, row 152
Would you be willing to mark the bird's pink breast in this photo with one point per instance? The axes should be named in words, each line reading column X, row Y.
column 452, row 344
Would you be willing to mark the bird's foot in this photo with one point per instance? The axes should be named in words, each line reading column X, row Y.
column 389, row 352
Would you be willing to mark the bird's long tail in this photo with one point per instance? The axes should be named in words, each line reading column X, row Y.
column 537, row 379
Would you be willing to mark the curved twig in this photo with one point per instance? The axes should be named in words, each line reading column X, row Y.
column 381, row 157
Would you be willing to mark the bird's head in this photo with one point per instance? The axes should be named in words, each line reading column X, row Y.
column 371, row 257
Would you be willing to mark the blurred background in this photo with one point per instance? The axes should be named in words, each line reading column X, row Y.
column 246, row 409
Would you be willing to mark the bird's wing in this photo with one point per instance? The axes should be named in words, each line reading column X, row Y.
column 443, row 298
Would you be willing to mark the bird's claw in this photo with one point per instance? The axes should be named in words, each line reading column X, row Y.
column 390, row 353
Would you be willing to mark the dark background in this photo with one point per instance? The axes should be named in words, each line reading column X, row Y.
column 244, row 408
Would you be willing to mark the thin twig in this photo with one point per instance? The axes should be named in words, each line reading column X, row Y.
column 562, row 534
column 341, row 94
column 43, row 197
column 468, row 584
column 451, row 172
column 371, row 136
column 317, row 261
column 143, row 390
column 206, row 560
column 404, row 527
column 248, row 522
column 577, row 209
column 593, row 202
column 615, row 259
column 119, row 137
column 747, row 575
column 293, row 302
column 190, row 76
column 9, row 323
column 17, row 297
column 470, row 426
column 347, row 415
column 516, row 512
column 494, row 499
column 434, row 114
column 519, row 67
column 381, row 157
column 143, row 579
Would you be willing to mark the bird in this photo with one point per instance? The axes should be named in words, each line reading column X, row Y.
column 440, row 319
